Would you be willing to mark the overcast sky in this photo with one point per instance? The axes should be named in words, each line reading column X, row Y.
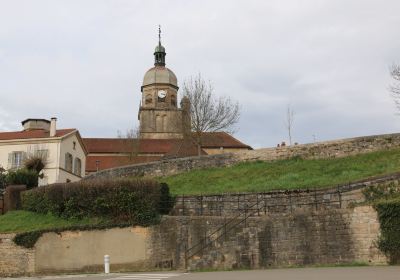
column 83, row 62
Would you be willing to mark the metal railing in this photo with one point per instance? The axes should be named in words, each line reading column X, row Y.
column 220, row 232
column 275, row 201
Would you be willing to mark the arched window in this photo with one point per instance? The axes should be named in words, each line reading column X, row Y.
column 68, row 162
column 77, row 166
column 164, row 123
column 159, row 125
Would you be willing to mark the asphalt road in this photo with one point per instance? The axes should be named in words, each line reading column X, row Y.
column 334, row 273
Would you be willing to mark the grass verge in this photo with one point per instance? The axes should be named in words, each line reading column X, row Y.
column 294, row 173
column 22, row 221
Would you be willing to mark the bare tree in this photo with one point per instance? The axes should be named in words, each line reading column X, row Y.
column 207, row 112
column 289, row 121
column 36, row 158
column 395, row 86
column 131, row 139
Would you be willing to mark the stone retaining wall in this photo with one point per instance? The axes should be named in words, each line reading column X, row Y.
column 166, row 167
column 328, row 149
column 301, row 238
column 287, row 201
column 15, row 260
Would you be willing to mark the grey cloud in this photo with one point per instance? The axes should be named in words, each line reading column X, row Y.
column 83, row 61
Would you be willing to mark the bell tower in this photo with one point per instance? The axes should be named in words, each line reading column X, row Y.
column 159, row 115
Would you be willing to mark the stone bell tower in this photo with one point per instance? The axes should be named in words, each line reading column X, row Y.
column 159, row 115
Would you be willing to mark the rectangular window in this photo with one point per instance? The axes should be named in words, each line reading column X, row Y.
column 77, row 166
column 68, row 162
column 16, row 160
column 43, row 154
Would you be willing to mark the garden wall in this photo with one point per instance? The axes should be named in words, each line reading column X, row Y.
column 301, row 238
column 328, row 149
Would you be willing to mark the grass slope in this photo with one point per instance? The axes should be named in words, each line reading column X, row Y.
column 21, row 221
column 284, row 174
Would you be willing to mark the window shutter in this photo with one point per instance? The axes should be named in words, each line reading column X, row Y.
column 23, row 158
column 10, row 160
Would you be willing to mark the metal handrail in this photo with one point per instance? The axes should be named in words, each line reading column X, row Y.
column 224, row 226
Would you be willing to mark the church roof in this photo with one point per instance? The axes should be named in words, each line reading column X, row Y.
column 160, row 75
column 158, row 146
column 105, row 162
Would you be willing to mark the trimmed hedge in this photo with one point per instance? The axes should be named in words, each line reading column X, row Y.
column 135, row 201
column 389, row 219
column 22, row 177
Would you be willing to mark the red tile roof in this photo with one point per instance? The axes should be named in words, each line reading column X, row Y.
column 116, row 149
column 119, row 145
column 105, row 162
column 221, row 139
column 29, row 134
column 160, row 146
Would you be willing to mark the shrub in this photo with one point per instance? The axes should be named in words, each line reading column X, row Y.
column 120, row 200
column 2, row 179
column 389, row 219
column 22, row 177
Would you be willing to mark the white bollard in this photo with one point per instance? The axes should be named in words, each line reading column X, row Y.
column 106, row 264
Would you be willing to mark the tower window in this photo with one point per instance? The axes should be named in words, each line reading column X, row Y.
column 173, row 101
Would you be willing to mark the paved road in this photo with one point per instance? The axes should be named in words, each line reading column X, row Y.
column 334, row 273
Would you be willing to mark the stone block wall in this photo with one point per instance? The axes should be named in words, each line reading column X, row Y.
column 15, row 260
column 288, row 201
column 301, row 238
column 166, row 167
column 328, row 236
column 326, row 149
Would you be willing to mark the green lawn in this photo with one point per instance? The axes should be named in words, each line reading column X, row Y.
column 21, row 221
column 284, row 174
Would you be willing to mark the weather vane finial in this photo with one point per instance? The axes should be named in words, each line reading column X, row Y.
column 159, row 34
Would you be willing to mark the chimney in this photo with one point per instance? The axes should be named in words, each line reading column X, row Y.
column 53, row 127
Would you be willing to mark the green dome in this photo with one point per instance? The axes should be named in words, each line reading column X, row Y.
column 159, row 48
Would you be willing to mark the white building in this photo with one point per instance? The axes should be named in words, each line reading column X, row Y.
column 63, row 150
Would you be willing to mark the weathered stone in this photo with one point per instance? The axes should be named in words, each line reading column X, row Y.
column 299, row 238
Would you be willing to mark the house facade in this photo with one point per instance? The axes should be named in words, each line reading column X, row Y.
column 62, row 150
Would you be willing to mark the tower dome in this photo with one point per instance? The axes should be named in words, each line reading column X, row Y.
column 160, row 75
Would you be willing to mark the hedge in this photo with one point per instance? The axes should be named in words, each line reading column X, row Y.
column 389, row 219
column 22, row 177
column 136, row 201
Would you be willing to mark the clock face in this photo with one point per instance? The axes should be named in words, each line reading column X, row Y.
column 162, row 93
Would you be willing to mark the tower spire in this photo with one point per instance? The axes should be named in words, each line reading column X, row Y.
column 159, row 35
column 159, row 53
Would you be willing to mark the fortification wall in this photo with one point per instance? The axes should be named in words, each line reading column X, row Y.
column 166, row 167
column 278, row 239
column 328, row 149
